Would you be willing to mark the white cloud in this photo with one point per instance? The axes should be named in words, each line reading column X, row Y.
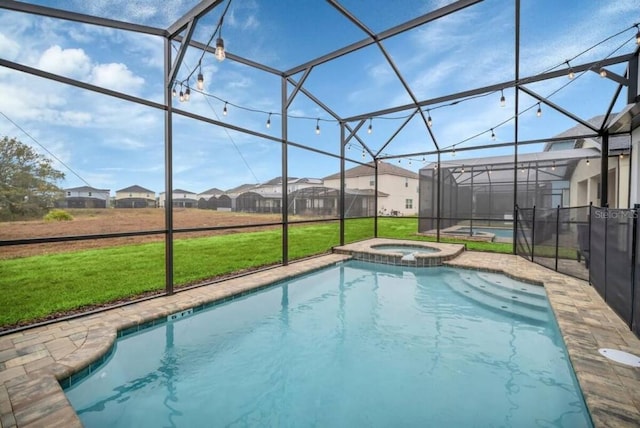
column 67, row 62
column 8, row 47
column 116, row 76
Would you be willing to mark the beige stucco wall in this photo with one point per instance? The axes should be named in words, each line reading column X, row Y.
column 399, row 189
column 586, row 178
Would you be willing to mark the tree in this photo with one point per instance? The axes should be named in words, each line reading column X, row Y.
column 27, row 181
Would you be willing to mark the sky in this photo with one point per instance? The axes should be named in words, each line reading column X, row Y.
column 109, row 143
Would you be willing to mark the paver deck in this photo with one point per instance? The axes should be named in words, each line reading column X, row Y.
column 32, row 361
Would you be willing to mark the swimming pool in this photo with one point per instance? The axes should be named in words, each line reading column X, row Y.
column 506, row 233
column 356, row 344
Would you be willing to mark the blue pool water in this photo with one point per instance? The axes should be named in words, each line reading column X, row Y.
column 352, row 345
column 498, row 232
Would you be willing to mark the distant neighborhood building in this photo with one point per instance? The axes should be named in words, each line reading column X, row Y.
column 84, row 197
column 135, row 197
column 397, row 187
column 181, row 199
column 208, row 198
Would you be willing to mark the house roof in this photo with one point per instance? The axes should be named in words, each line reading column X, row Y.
column 212, row 191
column 86, row 189
column 617, row 143
column 384, row 168
column 135, row 188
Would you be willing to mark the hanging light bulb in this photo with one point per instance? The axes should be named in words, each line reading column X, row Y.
column 181, row 97
column 200, row 81
column 224, row 110
column 588, row 162
column 429, row 121
column 269, row 121
column 490, row 169
column 453, row 153
column 399, row 161
column 503, row 100
column 493, row 135
column 571, row 73
column 603, row 72
column 187, row 94
column 522, row 168
column 409, row 162
column 370, row 129
column 220, row 55
column 423, row 159
column 318, row 126
column 174, row 92
column 621, row 155
column 363, row 154
column 553, row 166
column 539, row 112
column 435, row 166
column 463, row 169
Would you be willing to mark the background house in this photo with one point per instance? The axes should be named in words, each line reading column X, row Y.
column 397, row 187
column 135, row 197
column 181, row 199
column 84, row 197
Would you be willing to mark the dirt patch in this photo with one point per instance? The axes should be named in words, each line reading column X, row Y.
column 114, row 220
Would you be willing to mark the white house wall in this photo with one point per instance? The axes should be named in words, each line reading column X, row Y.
column 586, row 179
column 398, row 189
column 635, row 170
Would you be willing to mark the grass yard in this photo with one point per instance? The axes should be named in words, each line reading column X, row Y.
column 40, row 287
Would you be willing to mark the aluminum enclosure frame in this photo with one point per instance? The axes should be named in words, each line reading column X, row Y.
column 182, row 31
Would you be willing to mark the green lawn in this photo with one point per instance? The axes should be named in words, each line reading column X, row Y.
column 34, row 288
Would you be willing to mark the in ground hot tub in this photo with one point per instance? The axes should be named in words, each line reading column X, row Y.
column 405, row 249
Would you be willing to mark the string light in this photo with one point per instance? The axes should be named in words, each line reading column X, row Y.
column 503, row 100
column 493, row 134
column 269, row 121
column 603, row 72
column 621, row 155
column 220, row 54
column 522, row 168
column 553, row 166
column 370, row 129
column 571, row 73
column 588, row 163
column 181, row 96
column 224, row 110
column 187, row 94
column 363, row 154
column 429, row 121
column 200, row 81
column 453, row 153
column 463, row 168
column 174, row 92
column 539, row 112
column 318, row 126
column 490, row 169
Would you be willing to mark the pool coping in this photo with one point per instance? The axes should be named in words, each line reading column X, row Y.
column 33, row 361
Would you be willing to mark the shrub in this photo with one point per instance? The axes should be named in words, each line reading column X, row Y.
column 58, row 215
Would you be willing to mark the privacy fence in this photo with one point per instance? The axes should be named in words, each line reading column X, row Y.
column 601, row 245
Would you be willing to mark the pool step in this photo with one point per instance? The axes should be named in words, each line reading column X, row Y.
column 534, row 314
column 513, row 285
column 505, row 289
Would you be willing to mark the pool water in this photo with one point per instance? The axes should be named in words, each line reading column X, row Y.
column 352, row 345
column 498, row 232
